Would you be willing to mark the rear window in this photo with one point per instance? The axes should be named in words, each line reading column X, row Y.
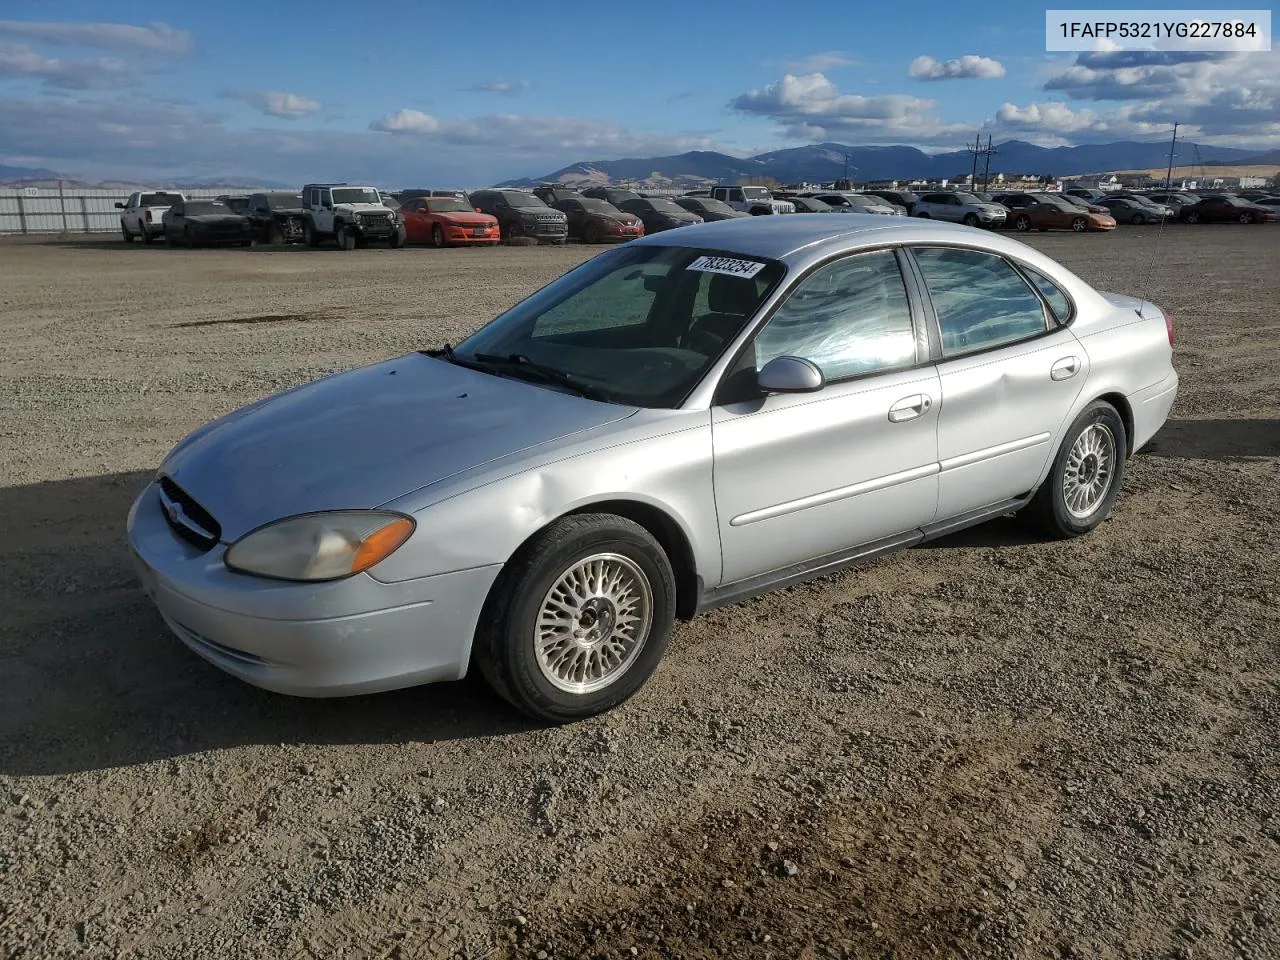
column 160, row 199
column 1059, row 304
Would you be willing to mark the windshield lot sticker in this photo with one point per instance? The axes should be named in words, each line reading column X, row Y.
column 734, row 268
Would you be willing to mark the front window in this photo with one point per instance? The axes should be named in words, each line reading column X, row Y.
column 523, row 200
column 666, row 206
column 714, row 206
column 284, row 201
column 356, row 195
column 966, row 198
column 851, row 317
column 597, row 206
column 447, row 206
column 637, row 325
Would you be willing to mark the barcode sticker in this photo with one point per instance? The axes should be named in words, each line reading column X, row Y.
column 728, row 265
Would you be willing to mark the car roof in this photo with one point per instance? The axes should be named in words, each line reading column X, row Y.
column 795, row 239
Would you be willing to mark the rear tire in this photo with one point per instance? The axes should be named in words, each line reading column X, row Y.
column 275, row 235
column 1085, row 477
column 924, row 216
column 572, row 656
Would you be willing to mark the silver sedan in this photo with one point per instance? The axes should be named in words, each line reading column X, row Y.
column 677, row 423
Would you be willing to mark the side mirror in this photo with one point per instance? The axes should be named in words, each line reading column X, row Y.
column 790, row 375
column 119, row 205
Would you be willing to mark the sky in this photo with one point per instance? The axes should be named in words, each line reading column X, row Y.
column 404, row 93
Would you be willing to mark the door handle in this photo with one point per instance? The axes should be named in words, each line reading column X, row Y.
column 1065, row 369
column 909, row 408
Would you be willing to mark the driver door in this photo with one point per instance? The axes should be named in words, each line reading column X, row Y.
column 815, row 475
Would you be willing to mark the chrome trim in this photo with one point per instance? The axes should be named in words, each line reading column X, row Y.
column 990, row 453
column 173, row 510
column 831, row 496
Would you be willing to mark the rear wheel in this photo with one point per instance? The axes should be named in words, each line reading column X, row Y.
column 579, row 619
column 437, row 236
column 1084, row 480
column 1022, row 223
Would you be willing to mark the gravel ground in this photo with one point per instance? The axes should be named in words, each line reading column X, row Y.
column 986, row 747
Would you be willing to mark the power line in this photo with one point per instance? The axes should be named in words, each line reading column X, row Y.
column 978, row 150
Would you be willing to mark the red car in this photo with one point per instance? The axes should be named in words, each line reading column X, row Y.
column 448, row 222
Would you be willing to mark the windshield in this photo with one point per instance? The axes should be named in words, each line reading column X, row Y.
column 598, row 206
column 196, row 208
column 714, row 206
column 755, row 193
column 284, row 201
column 666, row 206
column 522, row 200
column 356, row 195
column 448, row 205
column 639, row 325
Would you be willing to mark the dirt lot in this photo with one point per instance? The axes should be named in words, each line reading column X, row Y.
column 985, row 747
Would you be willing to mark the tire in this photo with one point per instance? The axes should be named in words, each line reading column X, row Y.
column 970, row 220
column 124, row 232
column 590, row 233
column 437, row 237
column 170, row 240
column 924, row 216
column 275, row 236
column 1098, row 430
column 1138, row 220
column 1079, row 224
column 1246, row 217
column 396, row 240
column 147, row 236
column 1193, row 217
column 187, row 239
column 343, row 237
column 505, row 647
column 1022, row 223
column 309, row 233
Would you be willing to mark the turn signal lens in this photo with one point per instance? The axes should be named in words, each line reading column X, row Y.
column 320, row 546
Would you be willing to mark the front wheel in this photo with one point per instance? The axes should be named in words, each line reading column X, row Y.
column 343, row 237
column 309, row 233
column 591, row 233
column 147, row 235
column 437, row 236
column 1246, row 217
column 579, row 619
column 1085, row 477
column 924, row 216
column 1022, row 223
column 396, row 241
column 970, row 219
column 1079, row 224
column 1138, row 220
column 1193, row 217
column 124, row 232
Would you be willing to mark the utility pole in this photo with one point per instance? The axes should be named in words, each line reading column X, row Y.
column 975, row 150
column 1168, row 177
column 986, row 166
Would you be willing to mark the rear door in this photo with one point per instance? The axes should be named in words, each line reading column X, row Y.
column 1009, row 374
column 812, row 475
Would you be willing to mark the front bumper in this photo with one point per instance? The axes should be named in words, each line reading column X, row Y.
column 464, row 235
column 353, row 636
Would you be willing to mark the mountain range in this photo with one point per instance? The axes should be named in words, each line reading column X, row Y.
column 822, row 162
column 42, row 177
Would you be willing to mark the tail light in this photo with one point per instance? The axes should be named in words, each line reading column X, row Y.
column 148, row 216
column 1168, row 325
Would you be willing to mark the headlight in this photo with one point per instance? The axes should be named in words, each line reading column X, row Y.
column 320, row 546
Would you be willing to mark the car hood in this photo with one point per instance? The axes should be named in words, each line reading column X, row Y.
column 364, row 207
column 367, row 436
column 213, row 218
column 287, row 212
column 461, row 219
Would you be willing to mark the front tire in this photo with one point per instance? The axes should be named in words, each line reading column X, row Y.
column 343, row 237
column 1138, row 220
column 970, row 219
column 397, row 238
column 147, row 235
column 590, row 233
column 1193, row 217
column 1022, row 223
column 579, row 619
column 1246, row 217
column 309, row 233
column 1085, row 478
column 1079, row 224
column 124, row 232
column 437, row 236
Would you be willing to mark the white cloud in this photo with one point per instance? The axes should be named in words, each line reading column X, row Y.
column 507, row 88
column 821, row 62
column 277, row 103
column 966, row 67
column 811, row 107
column 406, row 121
column 18, row 61
column 157, row 38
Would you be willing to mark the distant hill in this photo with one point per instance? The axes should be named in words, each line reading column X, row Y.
column 9, row 174
column 827, row 161
column 40, row 177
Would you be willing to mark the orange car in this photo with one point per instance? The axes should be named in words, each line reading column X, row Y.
column 1044, row 211
column 448, row 222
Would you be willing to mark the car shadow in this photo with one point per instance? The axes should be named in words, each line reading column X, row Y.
column 1217, row 439
column 94, row 680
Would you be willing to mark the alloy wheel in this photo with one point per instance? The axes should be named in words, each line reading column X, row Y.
column 593, row 623
column 1089, row 470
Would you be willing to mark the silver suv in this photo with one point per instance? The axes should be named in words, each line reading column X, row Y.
column 960, row 208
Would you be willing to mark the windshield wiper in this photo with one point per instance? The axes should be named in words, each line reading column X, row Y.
column 520, row 362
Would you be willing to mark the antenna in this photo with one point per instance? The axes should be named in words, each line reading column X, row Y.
column 1155, row 247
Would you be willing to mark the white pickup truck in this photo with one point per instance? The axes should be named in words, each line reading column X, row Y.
column 143, row 212
column 756, row 201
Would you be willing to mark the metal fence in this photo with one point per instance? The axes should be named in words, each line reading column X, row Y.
column 78, row 210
